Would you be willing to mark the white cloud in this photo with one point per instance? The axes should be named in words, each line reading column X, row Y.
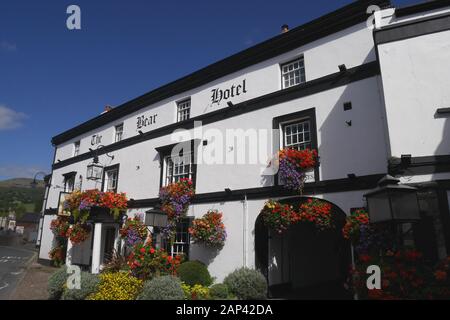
column 10, row 119
column 7, row 46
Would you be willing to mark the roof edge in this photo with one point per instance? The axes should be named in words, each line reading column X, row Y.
column 321, row 27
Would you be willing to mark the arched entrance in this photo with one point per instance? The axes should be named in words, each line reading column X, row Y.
column 304, row 263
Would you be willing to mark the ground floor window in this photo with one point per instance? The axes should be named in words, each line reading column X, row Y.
column 180, row 245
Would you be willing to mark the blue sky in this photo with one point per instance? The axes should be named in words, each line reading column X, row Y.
column 52, row 79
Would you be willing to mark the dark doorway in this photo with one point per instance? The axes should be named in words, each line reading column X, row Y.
column 110, row 237
column 304, row 263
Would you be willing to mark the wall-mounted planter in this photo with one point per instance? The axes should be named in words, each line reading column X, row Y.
column 103, row 215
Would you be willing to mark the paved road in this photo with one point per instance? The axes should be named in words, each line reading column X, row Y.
column 12, row 267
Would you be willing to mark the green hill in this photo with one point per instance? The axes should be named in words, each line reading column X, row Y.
column 18, row 195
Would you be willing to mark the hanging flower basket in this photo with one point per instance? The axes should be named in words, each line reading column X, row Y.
column 293, row 165
column 79, row 233
column 133, row 231
column 176, row 197
column 317, row 212
column 58, row 255
column 279, row 217
column 60, row 226
column 353, row 224
column 95, row 205
column 209, row 230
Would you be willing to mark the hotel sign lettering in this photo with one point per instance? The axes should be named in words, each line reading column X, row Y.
column 143, row 121
column 96, row 139
column 224, row 94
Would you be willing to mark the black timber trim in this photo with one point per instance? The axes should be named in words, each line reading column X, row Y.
column 328, row 24
column 320, row 187
column 69, row 175
column 328, row 82
column 309, row 114
column 108, row 168
column 443, row 111
column 50, row 211
column 413, row 28
column 421, row 7
column 444, row 214
column 420, row 165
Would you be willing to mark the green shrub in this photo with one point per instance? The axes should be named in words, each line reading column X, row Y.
column 194, row 272
column 247, row 284
column 162, row 288
column 219, row 291
column 88, row 284
column 56, row 283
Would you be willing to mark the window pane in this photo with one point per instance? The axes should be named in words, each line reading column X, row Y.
column 293, row 73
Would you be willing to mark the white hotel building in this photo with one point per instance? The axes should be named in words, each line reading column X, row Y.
column 372, row 101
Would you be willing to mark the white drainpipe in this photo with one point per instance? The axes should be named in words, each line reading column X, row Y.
column 245, row 223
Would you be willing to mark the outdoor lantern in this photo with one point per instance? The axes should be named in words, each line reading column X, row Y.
column 94, row 170
column 392, row 201
column 156, row 217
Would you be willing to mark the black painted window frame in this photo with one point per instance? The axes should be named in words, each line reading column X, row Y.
column 110, row 168
column 282, row 64
column 165, row 151
column 68, row 176
column 278, row 125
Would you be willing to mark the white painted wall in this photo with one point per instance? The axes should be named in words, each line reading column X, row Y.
column 416, row 83
column 47, row 241
column 357, row 149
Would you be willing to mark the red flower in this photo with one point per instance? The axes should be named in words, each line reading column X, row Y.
column 364, row 258
column 142, row 250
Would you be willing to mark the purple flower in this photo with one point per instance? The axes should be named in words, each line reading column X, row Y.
column 84, row 205
column 290, row 175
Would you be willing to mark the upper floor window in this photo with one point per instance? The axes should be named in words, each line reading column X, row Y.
column 119, row 133
column 297, row 135
column 183, row 110
column 293, row 73
column 76, row 148
column 110, row 178
column 69, row 181
column 178, row 168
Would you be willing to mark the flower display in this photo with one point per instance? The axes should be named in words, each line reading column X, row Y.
column 175, row 198
column 60, row 226
column 146, row 262
column 117, row 286
column 292, row 166
column 196, row 292
column 353, row 223
column 79, row 202
column 277, row 216
column 78, row 233
column 58, row 255
column 315, row 211
column 133, row 231
column 405, row 275
column 209, row 229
